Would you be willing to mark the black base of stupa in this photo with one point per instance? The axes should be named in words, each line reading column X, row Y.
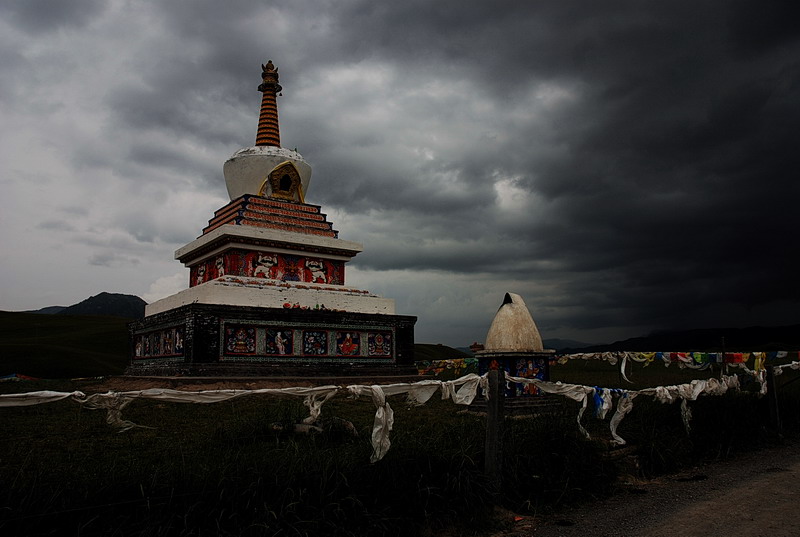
column 218, row 340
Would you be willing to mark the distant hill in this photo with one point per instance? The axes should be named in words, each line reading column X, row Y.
column 560, row 344
column 118, row 305
column 755, row 338
column 554, row 343
column 426, row 352
column 49, row 310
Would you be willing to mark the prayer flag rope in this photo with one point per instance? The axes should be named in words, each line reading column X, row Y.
column 602, row 397
column 778, row 369
column 691, row 360
column 461, row 391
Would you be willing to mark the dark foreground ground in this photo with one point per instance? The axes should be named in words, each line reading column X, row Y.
column 754, row 494
column 222, row 470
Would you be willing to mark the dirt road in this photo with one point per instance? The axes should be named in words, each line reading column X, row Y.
column 756, row 494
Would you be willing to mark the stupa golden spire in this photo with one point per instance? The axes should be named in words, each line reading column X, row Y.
column 268, row 129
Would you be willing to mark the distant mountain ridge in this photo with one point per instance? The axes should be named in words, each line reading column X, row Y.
column 754, row 338
column 49, row 310
column 114, row 304
column 429, row 352
column 553, row 343
column 560, row 344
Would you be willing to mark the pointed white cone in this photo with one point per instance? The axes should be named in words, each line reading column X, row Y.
column 513, row 329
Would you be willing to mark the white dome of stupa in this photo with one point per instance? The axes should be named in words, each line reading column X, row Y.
column 247, row 171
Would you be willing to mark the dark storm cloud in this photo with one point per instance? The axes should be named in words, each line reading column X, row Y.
column 674, row 181
column 172, row 102
column 633, row 161
column 757, row 26
column 40, row 16
column 55, row 225
column 166, row 157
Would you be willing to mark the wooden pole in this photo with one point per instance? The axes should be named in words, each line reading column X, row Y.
column 772, row 400
column 493, row 464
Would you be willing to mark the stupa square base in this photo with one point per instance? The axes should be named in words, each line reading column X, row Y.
column 211, row 339
column 517, row 364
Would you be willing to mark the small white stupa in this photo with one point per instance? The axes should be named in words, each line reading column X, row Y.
column 513, row 344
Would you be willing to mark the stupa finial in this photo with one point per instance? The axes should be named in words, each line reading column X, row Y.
column 268, row 128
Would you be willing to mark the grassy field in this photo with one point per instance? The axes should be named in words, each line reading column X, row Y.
column 601, row 373
column 62, row 346
column 220, row 469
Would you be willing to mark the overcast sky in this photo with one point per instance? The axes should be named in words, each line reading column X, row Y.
column 624, row 166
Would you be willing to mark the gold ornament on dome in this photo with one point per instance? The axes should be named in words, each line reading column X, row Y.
column 283, row 183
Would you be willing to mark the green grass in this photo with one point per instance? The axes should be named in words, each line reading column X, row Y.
column 220, row 468
column 62, row 346
column 603, row 374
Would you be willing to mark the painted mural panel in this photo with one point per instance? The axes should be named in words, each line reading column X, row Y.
column 263, row 265
column 348, row 343
column 530, row 368
column 269, row 265
column 178, row 347
column 266, row 341
column 379, row 344
column 240, row 339
column 315, row 271
column 292, row 268
column 315, row 342
column 197, row 275
column 167, row 341
column 280, row 341
column 527, row 367
column 159, row 344
column 223, row 266
column 336, row 271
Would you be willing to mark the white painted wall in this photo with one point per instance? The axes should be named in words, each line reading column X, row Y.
column 229, row 291
column 241, row 236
